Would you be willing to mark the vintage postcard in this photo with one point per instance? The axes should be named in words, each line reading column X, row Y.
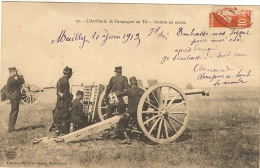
column 129, row 85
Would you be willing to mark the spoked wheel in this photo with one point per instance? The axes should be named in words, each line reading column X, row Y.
column 102, row 106
column 29, row 94
column 168, row 113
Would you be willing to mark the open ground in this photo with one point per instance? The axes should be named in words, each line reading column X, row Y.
column 223, row 131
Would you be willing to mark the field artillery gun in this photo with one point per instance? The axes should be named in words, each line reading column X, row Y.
column 163, row 112
column 29, row 94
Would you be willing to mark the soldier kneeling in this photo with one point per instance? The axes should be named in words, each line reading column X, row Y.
column 78, row 117
column 130, row 117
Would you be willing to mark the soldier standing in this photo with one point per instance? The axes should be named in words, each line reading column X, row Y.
column 14, row 84
column 63, row 106
column 134, row 95
column 116, row 83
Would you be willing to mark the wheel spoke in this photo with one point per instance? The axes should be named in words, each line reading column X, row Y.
column 154, row 124
column 176, row 112
column 104, row 115
column 173, row 99
column 147, row 121
column 33, row 99
column 176, row 105
column 176, row 120
column 171, row 125
column 151, row 104
column 155, row 98
column 156, row 112
column 167, row 96
column 159, row 130
column 161, row 101
column 165, row 129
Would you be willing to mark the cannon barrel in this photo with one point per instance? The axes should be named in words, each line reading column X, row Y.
column 186, row 92
column 196, row 91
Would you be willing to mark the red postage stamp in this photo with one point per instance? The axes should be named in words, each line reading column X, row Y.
column 230, row 17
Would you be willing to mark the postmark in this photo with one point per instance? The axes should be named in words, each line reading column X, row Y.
column 230, row 17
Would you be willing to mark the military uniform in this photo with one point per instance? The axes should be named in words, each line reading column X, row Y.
column 77, row 115
column 14, row 90
column 134, row 95
column 62, row 113
column 117, row 83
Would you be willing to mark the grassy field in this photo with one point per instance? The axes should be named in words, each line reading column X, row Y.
column 223, row 131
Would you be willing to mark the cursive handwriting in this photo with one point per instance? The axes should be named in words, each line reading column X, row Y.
column 201, row 67
column 192, row 33
column 104, row 36
column 240, row 74
column 240, row 80
column 223, row 77
column 63, row 37
column 221, row 55
column 156, row 31
column 189, row 57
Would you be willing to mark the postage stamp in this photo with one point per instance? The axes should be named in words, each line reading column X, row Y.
column 230, row 17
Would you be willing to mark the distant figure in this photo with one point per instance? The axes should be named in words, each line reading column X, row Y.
column 116, row 83
column 14, row 84
column 63, row 108
column 78, row 116
column 130, row 117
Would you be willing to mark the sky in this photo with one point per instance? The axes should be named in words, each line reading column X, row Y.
column 27, row 34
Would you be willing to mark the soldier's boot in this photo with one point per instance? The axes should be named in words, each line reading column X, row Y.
column 65, row 127
column 10, row 130
column 57, row 129
column 126, row 139
column 51, row 127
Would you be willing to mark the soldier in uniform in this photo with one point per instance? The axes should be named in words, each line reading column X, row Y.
column 134, row 95
column 14, row 84
column 78, row 116
column 63, row 108
column 116, row 83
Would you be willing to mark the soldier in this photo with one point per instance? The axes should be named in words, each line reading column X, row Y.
column 78, row 116
column 116, row 83
column 14, row 84
column 53, row 124
column 63, row 106
column 134, row 95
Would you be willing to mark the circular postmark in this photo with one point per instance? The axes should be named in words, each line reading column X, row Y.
column 11, row 154
column 231, row 18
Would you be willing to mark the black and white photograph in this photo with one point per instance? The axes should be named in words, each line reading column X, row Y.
column 129, row 85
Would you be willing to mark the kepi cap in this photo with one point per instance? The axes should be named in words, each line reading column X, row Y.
column 118, row 69
column 67, row 69
column 133, row 80
column 79, row 93
column 12, row 69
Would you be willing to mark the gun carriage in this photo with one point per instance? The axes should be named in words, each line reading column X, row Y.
column 163, row 112
column 29, row 94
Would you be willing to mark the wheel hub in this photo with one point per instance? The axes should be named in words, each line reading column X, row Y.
column 163, row 112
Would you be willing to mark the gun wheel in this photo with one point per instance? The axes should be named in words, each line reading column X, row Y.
column 102, row 107
column 167, row 114
column 29, row 94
